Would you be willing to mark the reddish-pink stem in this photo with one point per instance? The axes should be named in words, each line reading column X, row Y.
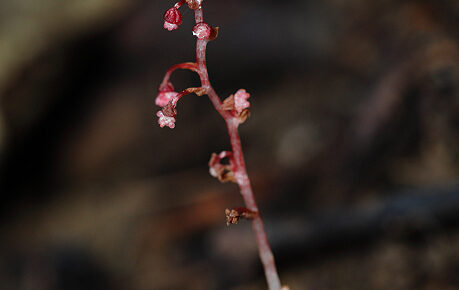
column 186, row 65
column 240, row 173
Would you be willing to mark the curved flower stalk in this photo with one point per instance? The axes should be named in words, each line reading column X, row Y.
column 234, row 110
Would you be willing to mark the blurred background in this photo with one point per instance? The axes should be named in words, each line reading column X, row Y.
column 352, row 145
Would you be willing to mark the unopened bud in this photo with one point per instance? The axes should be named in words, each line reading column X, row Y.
column 173, row 16
column 172, row 19
column 202, row 30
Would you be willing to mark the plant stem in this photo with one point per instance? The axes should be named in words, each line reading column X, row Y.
column 264, row 250
column 266, row 255
column 186, row 65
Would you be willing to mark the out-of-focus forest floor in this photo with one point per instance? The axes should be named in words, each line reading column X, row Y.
column 352, row 145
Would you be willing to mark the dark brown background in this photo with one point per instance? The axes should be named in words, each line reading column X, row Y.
column 352, row 145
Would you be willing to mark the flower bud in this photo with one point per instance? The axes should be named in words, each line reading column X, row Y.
column 173, row 16
column 172, row 19
column 202, row 30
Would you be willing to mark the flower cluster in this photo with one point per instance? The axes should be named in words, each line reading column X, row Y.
column 173, row 18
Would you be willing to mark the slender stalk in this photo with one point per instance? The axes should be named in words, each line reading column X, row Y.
column 186, row 65
column 233, row 116
column 264, row 250
column 266, row 255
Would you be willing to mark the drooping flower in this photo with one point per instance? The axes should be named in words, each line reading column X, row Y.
column 172, row 19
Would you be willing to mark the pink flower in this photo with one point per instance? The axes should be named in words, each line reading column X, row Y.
column 240, row 100
column 164, row 120
column 164, row 98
